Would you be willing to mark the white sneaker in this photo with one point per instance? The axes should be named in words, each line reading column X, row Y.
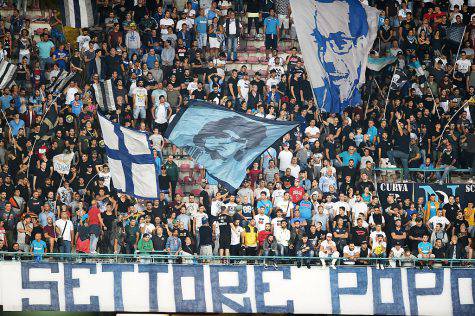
column 324, row 265
column 333, row 266
column 381, row 266
column 377, row 266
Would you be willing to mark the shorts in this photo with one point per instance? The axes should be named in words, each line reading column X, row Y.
column 214, row 42
column 139, row 111
column 224, row 241
column 284, row 21
column 271, row 41
column 206, row 251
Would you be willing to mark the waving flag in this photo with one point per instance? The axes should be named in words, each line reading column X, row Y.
column 62, row 163
column 7, row 72
column 77, row 13
column 223, row 141
column 335, row 37
column 398, row 80
column 104, row 93
column 130, row 160
column 377, row 64
column 455, row 33
column 61, row 81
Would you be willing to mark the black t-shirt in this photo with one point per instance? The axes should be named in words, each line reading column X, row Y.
column 401, row 142
column 359, row 234
column 199, row 95
column 34, row 205
column 164, row 182
column 447, row 158
column 122, row 207
column 233, row 81
column 451, row 211
column 224, row 221
column 206, row 202
column 386, row 146
column 108, row 219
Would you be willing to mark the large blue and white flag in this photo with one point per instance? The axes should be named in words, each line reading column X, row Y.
column 335, row 37
column 223, row 141
column 130, row 160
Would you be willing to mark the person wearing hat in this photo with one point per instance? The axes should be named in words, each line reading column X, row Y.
column 328, row 250
column 378, row 250
column 132, row 41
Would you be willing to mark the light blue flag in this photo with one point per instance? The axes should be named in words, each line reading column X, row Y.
column 223, row 141
column 377, row 64
column 335, row 37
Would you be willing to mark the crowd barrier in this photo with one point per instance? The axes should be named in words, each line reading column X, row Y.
column 199, row 288
column 423, row 171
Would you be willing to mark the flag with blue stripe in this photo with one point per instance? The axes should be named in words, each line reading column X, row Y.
column 78, row 13
column 377, row 64
column 223, row 141
column 130, row 160
column 335, row 37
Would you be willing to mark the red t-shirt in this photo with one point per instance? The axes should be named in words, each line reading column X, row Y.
column 93, row 216
column 296, row 194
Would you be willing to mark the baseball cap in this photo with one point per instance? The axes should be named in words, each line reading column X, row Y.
column 329, row 235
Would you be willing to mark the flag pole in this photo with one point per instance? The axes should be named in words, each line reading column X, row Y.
column 41, row 123
column 389, row 91
column 460, row 45
column 469, row 102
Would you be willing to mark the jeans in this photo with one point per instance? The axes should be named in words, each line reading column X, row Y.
column 443, row 176
column 93, row 243
column 21, row 5
column 231, row 46
column 139, row 111
column 282, row 250
column 202, row 40
column 44, row 62
column 392, row 154
column 65, row 246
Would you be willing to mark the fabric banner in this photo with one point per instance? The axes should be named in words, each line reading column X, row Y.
column 62, row 163
column 335, row 38
column 104, row 95
column 414, row 191
column 197, row 289
column 77, row 13
column 7, row 74
column 398, row 80
column 377, row 64
column 130, row 160
column 223, row 141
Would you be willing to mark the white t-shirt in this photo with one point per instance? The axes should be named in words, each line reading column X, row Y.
column 70, row 94
column 439, row 220
column 60, row 223
column 272, row 82
column 312, row 130
column 285, row 157
column 355, row 251
column 140, row 95
column 161, row 113
column 328, row 245
column 216, row 207
column 463, row 65
column 374, row 234
column 275, row 222
column 166, row 22
column 243, row 85
column 236, row 235
column 278, row 196
column 261, row 221
column 149, row 228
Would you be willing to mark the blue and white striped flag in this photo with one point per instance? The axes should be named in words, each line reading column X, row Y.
column 7, row 74
column 223, row 141
column 77, row 13
column 335, row 37
column 130, row 160
column 104, row 94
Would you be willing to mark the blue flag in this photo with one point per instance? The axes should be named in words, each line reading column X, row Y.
column 223, row 141
column 335, row 37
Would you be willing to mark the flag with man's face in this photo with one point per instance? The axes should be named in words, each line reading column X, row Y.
column 223, row 141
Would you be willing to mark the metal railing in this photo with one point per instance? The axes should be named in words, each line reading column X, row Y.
column 161, row 257
column 424, row 171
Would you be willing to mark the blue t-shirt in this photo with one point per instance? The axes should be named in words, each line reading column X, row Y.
column 425, row 247
column 39, row 247
column 16, row 126
column 305, row 208
column 267, row 205
column 76, row 107
column 201, row 24
column 271, row 24
column 61, row 54
column 345, row 158
column 45, row 48
column 5, row 99
column 372, row 132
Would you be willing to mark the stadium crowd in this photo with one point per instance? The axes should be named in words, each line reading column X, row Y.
column 312, row 195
